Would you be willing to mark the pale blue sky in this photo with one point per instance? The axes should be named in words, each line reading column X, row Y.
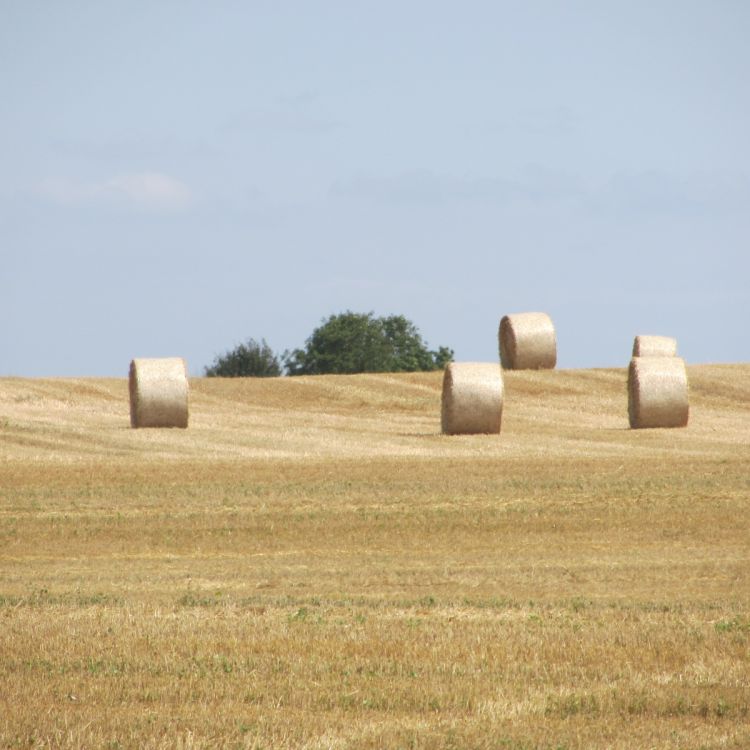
column 176, row 177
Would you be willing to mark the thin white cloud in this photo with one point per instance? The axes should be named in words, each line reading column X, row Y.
column 151, row 191
column 303, row 114
column 64, row 191
column 425, row 186
column 542, row 121
column 657, row 192
column 654, row 192
column 418, row 186
column 281, row 121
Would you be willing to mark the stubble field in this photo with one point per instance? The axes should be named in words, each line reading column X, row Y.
column 312, row 565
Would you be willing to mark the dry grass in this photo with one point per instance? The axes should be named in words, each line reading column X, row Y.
column 312, row 564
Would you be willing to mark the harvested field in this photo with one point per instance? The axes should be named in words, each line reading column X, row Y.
column 313, row 564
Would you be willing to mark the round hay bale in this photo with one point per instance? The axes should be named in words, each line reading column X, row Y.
column 158, row 393
column 654, row 346
column 472, row 401
column 657, row 392
column 527, row 342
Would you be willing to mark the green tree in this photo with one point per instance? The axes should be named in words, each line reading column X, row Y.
column 359, row 342
column 251, row 359
column 442, row 356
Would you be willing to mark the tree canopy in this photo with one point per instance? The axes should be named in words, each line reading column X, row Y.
column 359, row 342
column 251, row 359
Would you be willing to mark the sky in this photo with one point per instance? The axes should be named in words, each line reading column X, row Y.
column 179, row 177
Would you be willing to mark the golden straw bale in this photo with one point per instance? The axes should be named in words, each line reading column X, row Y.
column 527, row 342
column 657, row 392
column 472, row 401
column 654, row 346
column 158, row 392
